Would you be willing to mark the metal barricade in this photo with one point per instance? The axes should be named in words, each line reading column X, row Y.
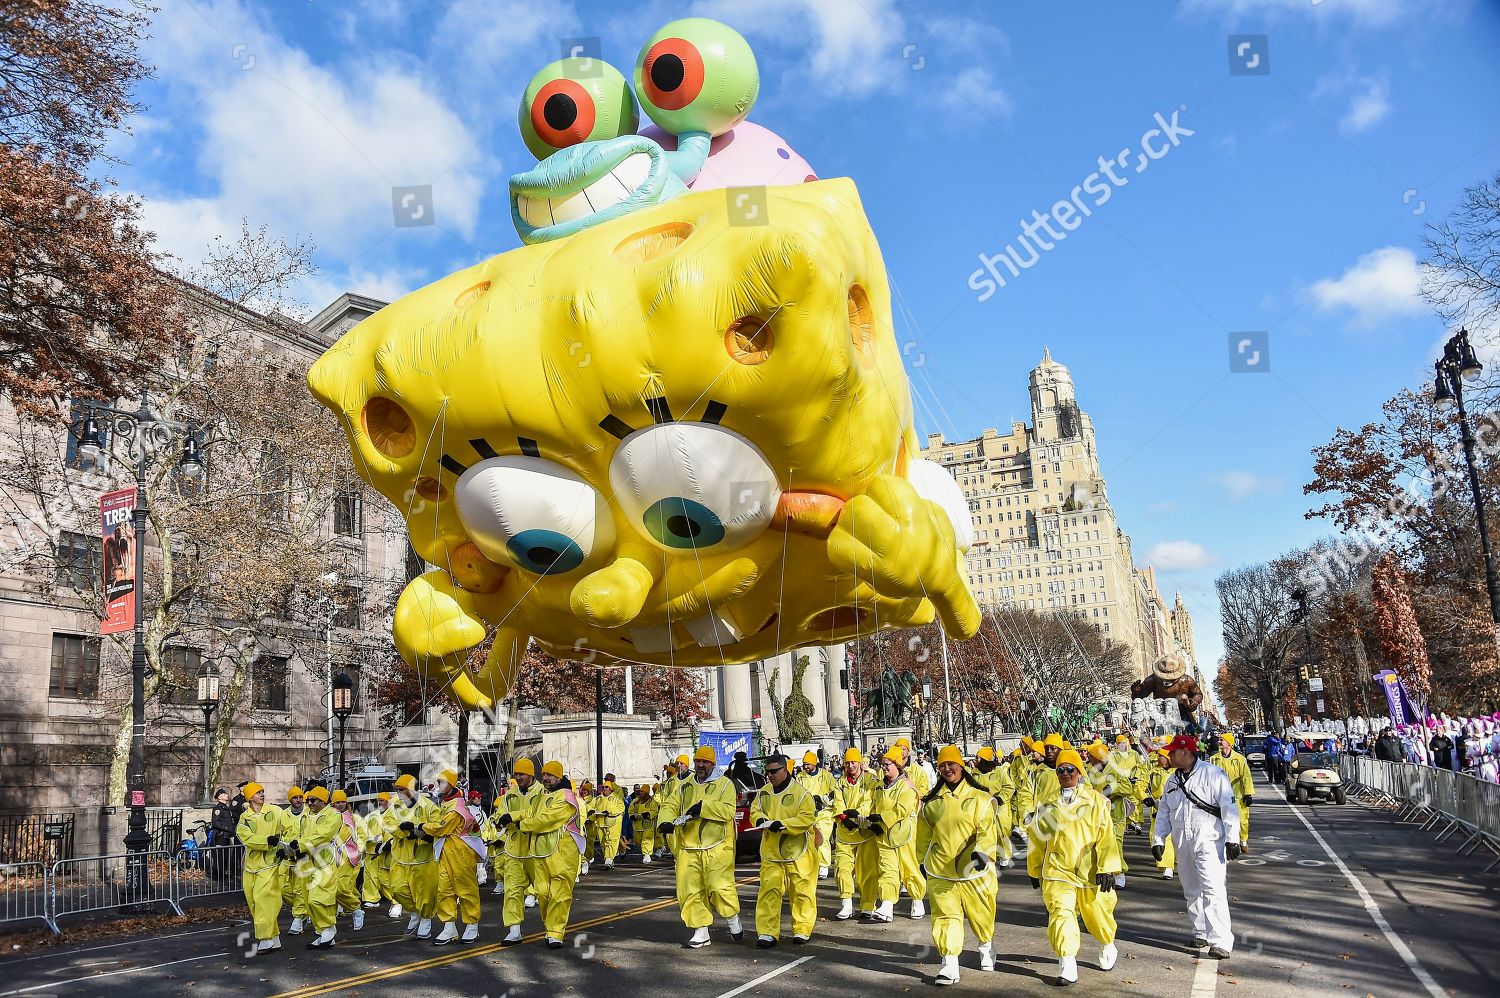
column 214, row 870
column 96, row 883
column 24, row 895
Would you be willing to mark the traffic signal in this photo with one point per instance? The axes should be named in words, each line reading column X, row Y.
column 1302, row 671
column 843, row 679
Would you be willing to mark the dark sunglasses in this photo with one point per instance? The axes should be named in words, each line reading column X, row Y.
column 1067, row 769
column 778, row 769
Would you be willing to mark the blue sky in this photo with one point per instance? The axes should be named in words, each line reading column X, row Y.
column 1294, row 212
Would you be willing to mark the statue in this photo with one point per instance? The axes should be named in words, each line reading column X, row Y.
column 889, row 702
column 1169, row 681
column 794, row 714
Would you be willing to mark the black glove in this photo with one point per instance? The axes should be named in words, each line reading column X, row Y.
column 695, row 810
column 1149, row 802
column 504, row 819
column 776, row 826
column 407, row 827
column 665, row 828
column 272, row 841
column 875, row 820
column 922, row 869
column 1105, row 882
column 296, row 848
column 1247, row 801
column 819, row 803
column 385, row 847
column 1234, row 850
column 850, row 821
column 1157, row 852
column 980, row 860
column 1036, row 884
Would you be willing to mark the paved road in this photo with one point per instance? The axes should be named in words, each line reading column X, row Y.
column 1420, row 922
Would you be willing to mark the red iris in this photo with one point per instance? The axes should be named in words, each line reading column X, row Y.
column 672, row 74
column 562, row 113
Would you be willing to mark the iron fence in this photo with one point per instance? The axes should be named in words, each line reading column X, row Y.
column 24, row 894
column 96, row 883
column 207, row 871
column 36, row 838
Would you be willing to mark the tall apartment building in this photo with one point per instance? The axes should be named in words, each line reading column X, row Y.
column 1045, row 535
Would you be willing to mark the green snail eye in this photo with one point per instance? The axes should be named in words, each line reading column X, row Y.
column 575, row 100
column 697, row 75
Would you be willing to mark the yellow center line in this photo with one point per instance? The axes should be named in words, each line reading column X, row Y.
column 329, row 987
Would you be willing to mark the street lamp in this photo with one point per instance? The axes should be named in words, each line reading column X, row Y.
column 149, row 437
column 343, row 706
column 1457, row 365
column 208, row 702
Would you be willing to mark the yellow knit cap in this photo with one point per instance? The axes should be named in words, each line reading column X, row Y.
column 1227, row 737
column 985, row 752
column 950, row 753
column 251, row 789
column 852, row 754
column 1069, row 757
column 894, row 755
column 903, row 742
column 525, row 766
column 383, row 795
column 1098, row 751
column 338, row 795
column 318, row 793
column 294, row 793
column 1054, row 739
column 809, row 758
column 683, row 762
column 553, row 768
column 406, row 781
column 1122, row 739
column 706, row 752
column 449, row 777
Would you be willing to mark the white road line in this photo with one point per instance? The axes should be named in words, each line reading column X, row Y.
column 113, row 973
column 1412, row 964
column 1205, row 978
column 764, row 977
column 128, row 942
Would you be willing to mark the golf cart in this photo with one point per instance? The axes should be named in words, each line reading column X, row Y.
column 1254, row 747
column 1315, row 770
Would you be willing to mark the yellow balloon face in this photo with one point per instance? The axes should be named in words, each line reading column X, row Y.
column 647, row 440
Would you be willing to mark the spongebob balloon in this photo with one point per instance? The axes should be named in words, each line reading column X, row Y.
column 674, row 427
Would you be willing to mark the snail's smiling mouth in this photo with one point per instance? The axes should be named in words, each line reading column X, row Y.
column 587, row 184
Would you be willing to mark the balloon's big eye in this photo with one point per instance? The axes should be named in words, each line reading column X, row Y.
column 672, row 74
column 573, row 101
column 683, row 523
column 532, row 513
column 697, row 75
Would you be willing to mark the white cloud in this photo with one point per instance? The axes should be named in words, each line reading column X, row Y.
column 1382, row 284
column 1375, row 13
column 1366, row 108
column 1179, row 556
column 302, row 148
column 385, row 284
column 1242, row 485
column 974, row 90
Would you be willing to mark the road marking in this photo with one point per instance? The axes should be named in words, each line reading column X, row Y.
column 358, row 980
column 763, row 978
column 1407, row 956
column 1205, row 978
column 113, row 973
column 128, row 942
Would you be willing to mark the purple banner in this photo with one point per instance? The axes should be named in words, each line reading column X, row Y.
column 1395, row 697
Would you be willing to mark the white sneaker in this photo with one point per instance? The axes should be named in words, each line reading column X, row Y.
column 822, row 873
column 699, row 938
column 499, row 887
column 947, row 971
column 609, row 864
column 918, row 909
column 471, row 933
column 1119, row 880
column 324, row 940
column 1007, row 863
column 296, row 927
column 411, row 925
column 359, row 920
column 885, row 911
column 1107, row 957
column 583, row 870
column 424, row 929
column 646, row 858
column 1067, row 970
column 514, row 935
column 483, row 875
column 395, row 911
column 1168, row 873
column 736, row 931
column 449, row 933
column 846, row 911
column 531, row 900
column 987, row 956
column 267, row 945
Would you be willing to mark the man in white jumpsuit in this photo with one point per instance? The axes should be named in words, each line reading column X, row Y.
column 1198, row 810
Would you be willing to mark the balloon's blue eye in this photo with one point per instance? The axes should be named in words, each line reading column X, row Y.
column 545, row 552
column 683, row 523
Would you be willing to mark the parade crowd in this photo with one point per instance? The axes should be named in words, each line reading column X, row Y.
column 879, row 829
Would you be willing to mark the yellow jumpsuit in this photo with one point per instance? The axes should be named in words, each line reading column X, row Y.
column 881, row 860
column 1237, row 768
column 262, row 874
column 553, row 855
column 998, row 785
column 952, row 825
column 456, row 860
column 1114, row 781
column 854, row 796
column 1021, row 804
column 1154, row 788
column 1071, row 843
column 377, row 864
column 319, row 868
column 413, row 871
column 643, row 818
column 705, row 852
column 293, row 890
column 346, row 894
column 518, row 804
column 609, row 814
column 911, row 872
column 820, row 785
column 788, row 859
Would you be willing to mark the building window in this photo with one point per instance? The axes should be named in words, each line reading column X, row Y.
column 77, row 560
column 347, row 521
column 268, row 675
column 348, row 610
column 179, row 681
column 75, row 667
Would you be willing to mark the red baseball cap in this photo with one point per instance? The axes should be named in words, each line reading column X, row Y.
column 1183, row 742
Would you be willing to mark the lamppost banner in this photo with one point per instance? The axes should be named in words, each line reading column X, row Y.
column 1395, row 697
column 117, row 531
